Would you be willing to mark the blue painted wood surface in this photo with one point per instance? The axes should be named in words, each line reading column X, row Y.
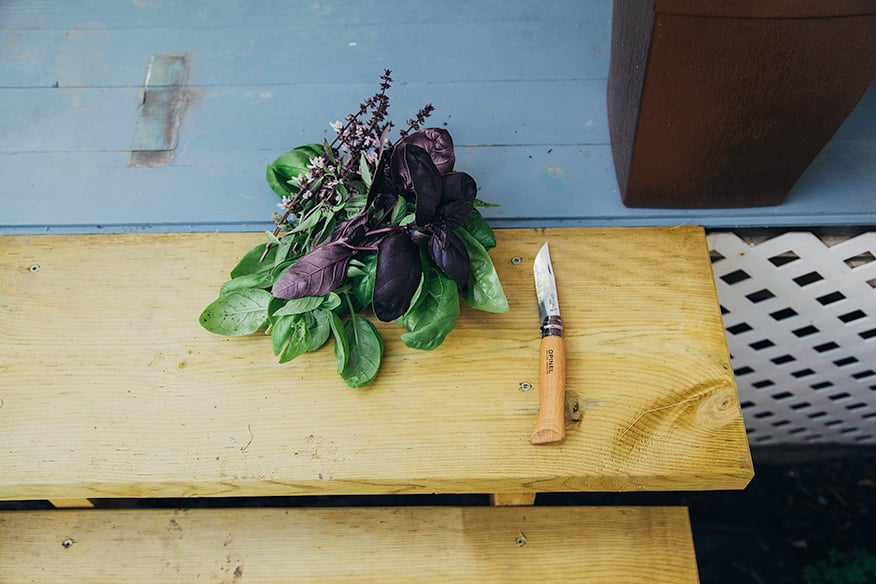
column 520, row 86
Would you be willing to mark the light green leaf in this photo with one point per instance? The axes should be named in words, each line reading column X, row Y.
column 250, row 264
column 478, row 228
column 484, row 290
column 318, row 324
column 342, row 348
column 241, row 312
column 296, row 345
column 281, row 173
column 433, row 316
column 365, row 352
column 281, row 330
column 272, row 239
column 331, row 301
column 365, row 170
column 259, row 280
column 300, row 305
column 310, row 220
column 363, row 286
column 399, row 211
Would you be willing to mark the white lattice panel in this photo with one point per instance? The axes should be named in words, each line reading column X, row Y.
column 800, row 317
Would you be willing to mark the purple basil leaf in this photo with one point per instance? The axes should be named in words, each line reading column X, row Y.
column 449, row 253
column 460, row 191
column 426, row 182
column 398, row 274
column 315, row 274
column 436, row 141
column 383, row 205
column 351, row 231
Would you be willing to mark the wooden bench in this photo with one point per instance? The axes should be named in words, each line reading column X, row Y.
column 110, row 389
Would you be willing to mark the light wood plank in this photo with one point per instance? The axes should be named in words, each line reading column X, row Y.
column 112, row 389
column 503, row 545
column 508, row 499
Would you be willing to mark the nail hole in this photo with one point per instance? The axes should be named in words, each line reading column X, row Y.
column 67, row 543
column 525, row 386
column 35, row 268
column 521, row 540
column 516, row 260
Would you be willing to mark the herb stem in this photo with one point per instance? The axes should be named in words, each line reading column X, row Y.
column 385, row 230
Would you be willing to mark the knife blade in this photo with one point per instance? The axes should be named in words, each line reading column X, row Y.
column 550, row 426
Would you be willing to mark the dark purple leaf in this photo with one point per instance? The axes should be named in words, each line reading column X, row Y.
column 449, row 253
column 426, row 182
column 398, row 274
column 315, row 274
column 436, row 141
column 383, row 206
column 351, row 231
column 460, row 191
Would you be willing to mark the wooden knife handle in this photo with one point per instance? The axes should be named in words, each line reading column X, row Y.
column 551, row 424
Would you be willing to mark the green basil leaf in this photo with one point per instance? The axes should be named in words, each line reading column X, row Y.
column 354, row 205
column 297, row 341
column 310, row 220
column 341, row 190
column 259, row 280
column 273, row 306
column 342, row 348
column 363, row 285
column 331, row 301
column 318, row 325
column 241, row 312
column 433, row 316
column 365, row 352
column 272, row 239
column 399, row 210
column 250, row 264
column 478, row 228
column 282, row 251
column 300, row 305
column 289, row 165
column 328, row 151
column 484, row 290
column 365, row 171
column 281, row 330
column 277, row 183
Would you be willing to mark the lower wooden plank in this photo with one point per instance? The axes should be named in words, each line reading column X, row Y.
column 503, row 499
column 398, row 544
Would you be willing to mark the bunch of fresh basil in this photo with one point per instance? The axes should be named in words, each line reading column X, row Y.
column 402, row 235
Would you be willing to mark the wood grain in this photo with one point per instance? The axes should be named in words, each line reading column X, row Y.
column 427, row 544
column 112, row 389
column 551, row 425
